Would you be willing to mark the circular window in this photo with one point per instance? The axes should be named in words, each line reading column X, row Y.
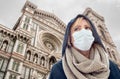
column 49, row 42
column 49, row 45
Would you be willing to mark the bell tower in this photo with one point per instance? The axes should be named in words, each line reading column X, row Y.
column 104, row 34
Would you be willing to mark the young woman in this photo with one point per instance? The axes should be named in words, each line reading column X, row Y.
column 83, row 54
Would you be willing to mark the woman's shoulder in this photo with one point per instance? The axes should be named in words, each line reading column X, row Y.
column 114, row 66
column 114, row 71
column 57, row 66
column 57, row 71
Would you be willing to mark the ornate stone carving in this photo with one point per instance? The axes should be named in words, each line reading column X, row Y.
column 49, row 42
column 49, row 45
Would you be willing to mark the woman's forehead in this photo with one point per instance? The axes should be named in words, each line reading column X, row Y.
column 79, row 21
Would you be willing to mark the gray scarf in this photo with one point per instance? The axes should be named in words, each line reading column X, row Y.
column 77, row 66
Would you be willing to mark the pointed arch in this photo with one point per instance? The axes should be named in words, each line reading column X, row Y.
column 28, row 55
column 52, row 60
column 35, row 58
column 42, row 61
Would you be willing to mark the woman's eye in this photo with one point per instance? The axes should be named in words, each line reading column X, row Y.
column 87, row 28
column 75, row 29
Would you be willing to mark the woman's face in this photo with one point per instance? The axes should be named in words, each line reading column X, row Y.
column 79, row 24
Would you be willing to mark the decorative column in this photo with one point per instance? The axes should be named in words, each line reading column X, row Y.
column 9, row 68
column 7, row 75
column 10, row 64
column 36, row 35
column 18, row 77
column 38, row 62
column 23, row 52
column 31, row 58
column 20, row 67
column 29, row 25
column 47, row 62
column 15, row 46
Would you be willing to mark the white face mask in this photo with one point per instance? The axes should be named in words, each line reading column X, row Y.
column 83, row 39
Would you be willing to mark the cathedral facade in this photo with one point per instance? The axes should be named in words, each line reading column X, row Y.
column 29, row 50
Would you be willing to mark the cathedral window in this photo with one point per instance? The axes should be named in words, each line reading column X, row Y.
column 20, row 47
column 10, row 46
column 26, row 23
column 27, row 19
column 25, row 26
column 3, row 65
column 15, row 66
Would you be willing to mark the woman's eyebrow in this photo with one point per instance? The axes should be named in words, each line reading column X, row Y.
column 76, row 26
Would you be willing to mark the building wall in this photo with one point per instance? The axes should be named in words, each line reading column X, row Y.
column 32, row 46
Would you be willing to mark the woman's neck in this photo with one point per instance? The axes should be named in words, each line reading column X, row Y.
column 84, row 53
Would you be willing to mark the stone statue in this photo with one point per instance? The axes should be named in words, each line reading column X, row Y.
column 42, row 61
column 35, row 59
column 4, row 46
column 28, row 56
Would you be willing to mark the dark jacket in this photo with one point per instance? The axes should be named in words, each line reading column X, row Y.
column 58, row 73
column 57, row 69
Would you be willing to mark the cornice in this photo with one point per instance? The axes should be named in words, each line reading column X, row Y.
column 39, row 12
column 30, row 5
column 89, row 10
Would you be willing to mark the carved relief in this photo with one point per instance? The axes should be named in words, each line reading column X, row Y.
column 52, row 60
column 49, row 42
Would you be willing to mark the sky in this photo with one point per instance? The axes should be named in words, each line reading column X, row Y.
column 10, row 11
